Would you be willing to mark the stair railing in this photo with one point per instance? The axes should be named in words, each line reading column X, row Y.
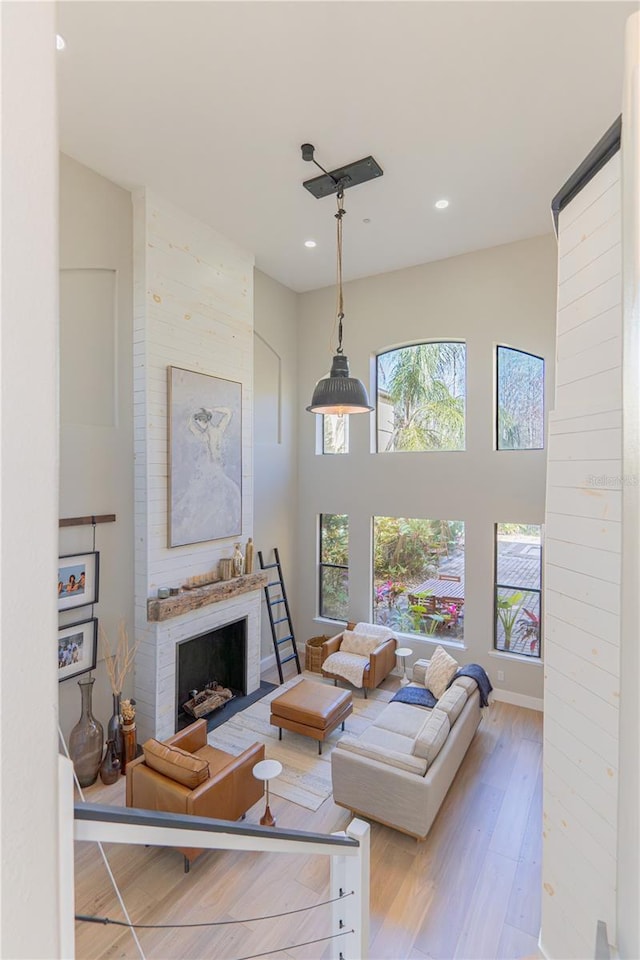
column 349, row 852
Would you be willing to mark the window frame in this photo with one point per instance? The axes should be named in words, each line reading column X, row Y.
column 433, row 636
column 333, row 453
column 408, row 346
column 323, row 565
column 526, row 353
column 522, row 657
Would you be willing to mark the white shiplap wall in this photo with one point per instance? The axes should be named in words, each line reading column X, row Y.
column 583, row 575
column 193, row 303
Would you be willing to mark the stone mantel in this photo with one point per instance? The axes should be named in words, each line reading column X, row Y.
column 169, row 607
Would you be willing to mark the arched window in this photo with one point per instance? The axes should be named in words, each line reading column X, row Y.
column 421, row 397
column 520, row 400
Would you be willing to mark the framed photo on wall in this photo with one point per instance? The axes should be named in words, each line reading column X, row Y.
column 77, row 648
column 78, row 579
column 205, row 457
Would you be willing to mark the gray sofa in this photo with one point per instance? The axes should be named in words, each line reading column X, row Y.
column 399, row 769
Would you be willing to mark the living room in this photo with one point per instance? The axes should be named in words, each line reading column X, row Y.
column 150, row 253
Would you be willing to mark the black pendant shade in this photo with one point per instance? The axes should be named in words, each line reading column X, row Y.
column 339, row 393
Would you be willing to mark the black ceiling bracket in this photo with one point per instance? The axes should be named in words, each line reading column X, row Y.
column 332, row 181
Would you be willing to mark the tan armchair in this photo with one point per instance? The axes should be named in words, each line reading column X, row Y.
column 378, row 664
column 227, row 792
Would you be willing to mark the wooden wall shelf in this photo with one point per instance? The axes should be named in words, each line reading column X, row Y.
column 166, row 608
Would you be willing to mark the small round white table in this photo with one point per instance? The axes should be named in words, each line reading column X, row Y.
column 266, row 770
column 403, row 653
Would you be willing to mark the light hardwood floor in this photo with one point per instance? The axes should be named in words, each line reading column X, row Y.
column 471, row 890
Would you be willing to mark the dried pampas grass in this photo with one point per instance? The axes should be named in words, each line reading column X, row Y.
column 119, row 661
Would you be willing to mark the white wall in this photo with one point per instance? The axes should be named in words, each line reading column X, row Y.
column 96, row 417
column 29, row 494
column 628, row 879
column 583, row 571
column 275, row 425
column 193, row 308
column 502, row 295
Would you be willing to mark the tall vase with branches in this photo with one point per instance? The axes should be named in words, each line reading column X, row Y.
column 118, row 662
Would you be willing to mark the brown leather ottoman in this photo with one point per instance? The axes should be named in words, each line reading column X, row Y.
column 312, row 709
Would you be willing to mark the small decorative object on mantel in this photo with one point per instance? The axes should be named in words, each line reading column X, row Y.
column 238, row 561
column 86, row 738
column 248, row 556
column 226, row 568
column 118, row 664
column 206, row 701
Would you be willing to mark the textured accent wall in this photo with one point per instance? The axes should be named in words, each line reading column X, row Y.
column 583, row 570
column 193, row 308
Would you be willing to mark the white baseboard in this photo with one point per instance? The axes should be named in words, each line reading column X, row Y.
column 267, row 663
column 519, row 699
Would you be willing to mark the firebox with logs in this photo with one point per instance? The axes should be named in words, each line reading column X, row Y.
column 204, row 702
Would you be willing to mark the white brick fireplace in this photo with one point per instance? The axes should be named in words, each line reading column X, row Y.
column 193, row 308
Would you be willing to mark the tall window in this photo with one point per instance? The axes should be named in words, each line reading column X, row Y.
column 421, row 397
column 518, row 582
column 418, row 576
column 520, row 405
column 334, row 566
column 335, row 434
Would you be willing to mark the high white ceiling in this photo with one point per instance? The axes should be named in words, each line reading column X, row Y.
column 491, row 105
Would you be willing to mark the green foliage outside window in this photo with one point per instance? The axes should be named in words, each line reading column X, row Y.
column 425, row 387
column 334, row 566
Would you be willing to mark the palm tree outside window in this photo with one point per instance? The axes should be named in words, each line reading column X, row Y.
column 421, row 397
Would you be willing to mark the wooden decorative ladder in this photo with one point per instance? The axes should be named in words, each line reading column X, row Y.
column 273, row 603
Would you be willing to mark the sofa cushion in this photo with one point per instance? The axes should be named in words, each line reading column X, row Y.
column 439, row 672
column 432, row 736
column 420, row 668
column 403, row 761
column 362, row 644
column 452, row 701
column 175, row 763
column 402, row 718
column 379, row 737
column 467, row 683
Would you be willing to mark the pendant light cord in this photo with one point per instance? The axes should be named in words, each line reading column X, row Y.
column 340, row 300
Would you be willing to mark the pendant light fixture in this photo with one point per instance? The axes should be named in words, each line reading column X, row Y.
column 339, row 393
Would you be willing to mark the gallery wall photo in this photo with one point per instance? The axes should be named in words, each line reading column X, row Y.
column 205, row 457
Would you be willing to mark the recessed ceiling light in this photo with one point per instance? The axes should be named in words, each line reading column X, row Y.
column 309, row 243
column 442, row 204
column 60, row 42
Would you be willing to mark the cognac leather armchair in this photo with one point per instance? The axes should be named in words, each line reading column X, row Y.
column 228, row 791
column 380, row 661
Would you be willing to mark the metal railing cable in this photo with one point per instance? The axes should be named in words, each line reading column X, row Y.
column 210, row 923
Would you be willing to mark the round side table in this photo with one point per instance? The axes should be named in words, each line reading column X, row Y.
column 403, row 653
column 266, row 770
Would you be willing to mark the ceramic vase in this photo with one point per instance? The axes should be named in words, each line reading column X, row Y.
column 110, row 766
column 86, row 738
column 114, row 727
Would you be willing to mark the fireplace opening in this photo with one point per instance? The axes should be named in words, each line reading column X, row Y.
column 218, row 656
